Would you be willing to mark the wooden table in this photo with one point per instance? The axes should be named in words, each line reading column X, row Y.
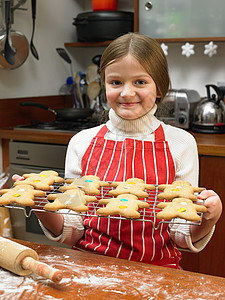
column 93, row 276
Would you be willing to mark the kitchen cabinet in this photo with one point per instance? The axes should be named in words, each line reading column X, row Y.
column 177, row 20
column 210, row 260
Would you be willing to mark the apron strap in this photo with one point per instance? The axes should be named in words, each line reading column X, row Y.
column 102, row 132
column 159, row 134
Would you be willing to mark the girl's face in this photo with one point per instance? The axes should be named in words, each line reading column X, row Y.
column 130, row 90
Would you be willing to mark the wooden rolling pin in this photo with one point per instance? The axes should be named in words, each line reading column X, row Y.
column 23, row 261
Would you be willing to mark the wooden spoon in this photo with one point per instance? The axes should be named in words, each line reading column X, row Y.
column 93, row 91
column 92, row 72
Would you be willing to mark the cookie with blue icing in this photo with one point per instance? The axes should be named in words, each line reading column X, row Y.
column 90, row 184
column 126, row 205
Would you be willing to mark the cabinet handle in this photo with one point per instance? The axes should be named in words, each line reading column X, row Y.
column 148, row 5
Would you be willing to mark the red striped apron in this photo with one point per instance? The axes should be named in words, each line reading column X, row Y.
column 118, row 161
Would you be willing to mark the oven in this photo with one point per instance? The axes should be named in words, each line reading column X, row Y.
column 29, row 157
column 33, row 157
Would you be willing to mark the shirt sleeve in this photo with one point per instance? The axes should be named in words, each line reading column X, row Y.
column 180, row 234
column 73, row 229
column 185, row 154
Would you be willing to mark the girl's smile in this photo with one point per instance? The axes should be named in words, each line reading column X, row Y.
column 130, row 90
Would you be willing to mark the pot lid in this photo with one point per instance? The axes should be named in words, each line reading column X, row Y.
column 106, row 15
column 21, row 47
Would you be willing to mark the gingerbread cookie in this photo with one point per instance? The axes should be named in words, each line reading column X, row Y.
column 179, row 188
column 134, row 186
column 180, row 208
column 41, row 181
column 90, row 184
column 72, row 199
column 126, row 205
column 22, row 194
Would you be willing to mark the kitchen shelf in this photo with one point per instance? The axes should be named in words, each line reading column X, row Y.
column 191, row 40
column 169, row 40
column 146, row 215
column 87, row 44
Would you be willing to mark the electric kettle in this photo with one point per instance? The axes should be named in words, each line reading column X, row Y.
column 209, row 114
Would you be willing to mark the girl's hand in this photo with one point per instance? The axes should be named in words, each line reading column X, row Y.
column 16, row 177
column 213, row 204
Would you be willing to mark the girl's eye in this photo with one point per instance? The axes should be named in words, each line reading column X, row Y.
column 140, row 82
column 115, row 82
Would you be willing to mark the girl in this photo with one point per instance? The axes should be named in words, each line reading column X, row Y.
column 133, row 143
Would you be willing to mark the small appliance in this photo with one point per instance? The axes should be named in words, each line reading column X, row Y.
column 209, row 114
column 177, row 107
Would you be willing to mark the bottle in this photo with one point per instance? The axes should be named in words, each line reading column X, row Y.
column 68, row 89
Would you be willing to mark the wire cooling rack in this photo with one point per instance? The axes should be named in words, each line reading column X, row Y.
column 146, row 215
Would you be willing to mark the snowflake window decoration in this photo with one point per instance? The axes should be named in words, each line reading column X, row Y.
column 210, row 49
column 188, row 49
column 164, row 48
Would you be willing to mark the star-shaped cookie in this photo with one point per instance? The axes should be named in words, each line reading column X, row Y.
column 180, row 208
column 90, row 184
column 179, row 188
column 73, row 199
column 42, row 180
column 134, row 186
column 22, row 194
column 126, row 205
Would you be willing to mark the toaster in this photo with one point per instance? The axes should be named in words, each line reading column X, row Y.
column 178, row 107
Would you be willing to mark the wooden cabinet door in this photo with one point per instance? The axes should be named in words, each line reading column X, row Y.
column 211, row 260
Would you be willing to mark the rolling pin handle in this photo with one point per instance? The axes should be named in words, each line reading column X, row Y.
column 28, row 263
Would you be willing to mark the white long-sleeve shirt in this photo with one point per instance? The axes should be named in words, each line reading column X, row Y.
column 184, row 152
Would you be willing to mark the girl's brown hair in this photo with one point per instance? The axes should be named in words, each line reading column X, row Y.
column 147, row 51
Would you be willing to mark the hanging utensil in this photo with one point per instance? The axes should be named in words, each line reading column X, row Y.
column 64, row 55
column 8, row 51
column 32, row 47
column 96, row 60
column 19, row 41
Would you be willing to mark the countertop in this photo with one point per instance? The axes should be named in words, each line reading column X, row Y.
column 208, row 144
column 92, row 276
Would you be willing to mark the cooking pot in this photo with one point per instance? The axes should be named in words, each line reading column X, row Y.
column 96, row 26
column 63, row 114
column 19, row 44
column 209, row 114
